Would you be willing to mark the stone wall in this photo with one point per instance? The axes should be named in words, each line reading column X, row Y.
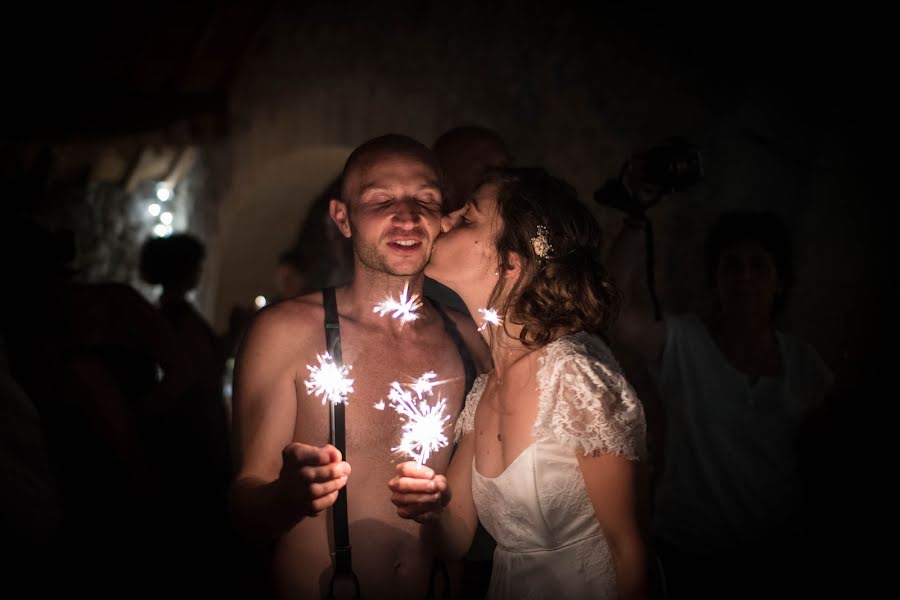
column 577, row 91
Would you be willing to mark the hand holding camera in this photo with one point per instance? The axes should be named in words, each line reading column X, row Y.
column 646, row 177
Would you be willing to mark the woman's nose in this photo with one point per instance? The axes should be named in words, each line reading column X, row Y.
column 450, row 220
column 407, row 212
column 447, row 222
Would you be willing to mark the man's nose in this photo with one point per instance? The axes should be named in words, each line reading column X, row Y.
column 407, row 211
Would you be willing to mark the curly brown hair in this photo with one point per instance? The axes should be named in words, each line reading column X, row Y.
column 566, row 288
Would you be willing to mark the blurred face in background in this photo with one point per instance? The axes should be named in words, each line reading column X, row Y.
column 747, row 280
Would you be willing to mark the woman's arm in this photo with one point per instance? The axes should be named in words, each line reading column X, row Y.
column 612, row 483
column 444, row 505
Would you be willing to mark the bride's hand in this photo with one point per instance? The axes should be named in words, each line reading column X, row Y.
column 418, row 493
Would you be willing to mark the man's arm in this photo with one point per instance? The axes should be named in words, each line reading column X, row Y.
column 278, row 482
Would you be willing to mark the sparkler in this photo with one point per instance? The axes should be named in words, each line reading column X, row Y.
column 424, row 384
column 489, row 316
column 423, row 431
column 328, row 380
column 403, row 309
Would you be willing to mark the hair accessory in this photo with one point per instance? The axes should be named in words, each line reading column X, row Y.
column 540, row 242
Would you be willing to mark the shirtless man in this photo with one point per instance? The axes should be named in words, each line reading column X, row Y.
column 287, row 473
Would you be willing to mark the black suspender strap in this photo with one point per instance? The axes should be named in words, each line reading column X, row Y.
column 464, row 354
column 342, row 560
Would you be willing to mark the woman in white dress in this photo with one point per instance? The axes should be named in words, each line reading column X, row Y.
column 548, row 441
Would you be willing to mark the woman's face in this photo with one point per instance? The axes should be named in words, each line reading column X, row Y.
column 465, row 255
column 747, row 280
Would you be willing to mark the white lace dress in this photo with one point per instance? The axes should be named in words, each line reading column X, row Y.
column 549, row 542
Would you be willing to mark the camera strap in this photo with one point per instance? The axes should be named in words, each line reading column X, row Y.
column 651, row 266
column 343, row 568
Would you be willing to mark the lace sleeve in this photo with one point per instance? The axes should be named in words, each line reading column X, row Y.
column 586, row 403
column 466, row 420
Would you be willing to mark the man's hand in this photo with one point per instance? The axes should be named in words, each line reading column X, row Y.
column 311, row 477
column 418, row 493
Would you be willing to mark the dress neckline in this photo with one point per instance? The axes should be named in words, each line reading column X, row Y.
column 509, row 467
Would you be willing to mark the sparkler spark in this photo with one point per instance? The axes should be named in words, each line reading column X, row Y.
column 328, row 380
column 403, row 309
column 423, row 431
column 489, row 317
column 379, row 405
column 424, row 384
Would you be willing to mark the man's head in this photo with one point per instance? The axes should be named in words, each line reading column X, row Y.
column 749, row 262
column 465, row 154
column 174, row 262
column 390, row 205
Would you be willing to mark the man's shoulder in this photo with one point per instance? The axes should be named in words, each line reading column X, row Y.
column 289, row 319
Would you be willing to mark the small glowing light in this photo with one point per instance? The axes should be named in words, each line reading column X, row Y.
column 424, row 384
column 423, row 431
column 161, row 230
column 489, row 317
column 403, row 309
column 153, row 209
column 379, row 405
column 163, row 193
column 260, row 301
column 166, row 218
column 328, row 380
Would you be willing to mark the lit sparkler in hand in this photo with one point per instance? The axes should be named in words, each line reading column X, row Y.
column 403, row 309
column 329, row 380
column 423, row 431
column 489, row 316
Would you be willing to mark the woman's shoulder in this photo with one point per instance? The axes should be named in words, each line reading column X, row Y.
column 803, row 361
column 585, row 401
column 581, row 365
column 579, row 347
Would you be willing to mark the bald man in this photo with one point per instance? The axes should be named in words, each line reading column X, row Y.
column 287, row 473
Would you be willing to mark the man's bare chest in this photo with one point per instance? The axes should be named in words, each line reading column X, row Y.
column 375, row 363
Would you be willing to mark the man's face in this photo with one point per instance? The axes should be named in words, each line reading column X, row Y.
column 747, row 279
column 394, row 214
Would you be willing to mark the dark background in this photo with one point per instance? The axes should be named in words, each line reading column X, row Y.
column 249, row 110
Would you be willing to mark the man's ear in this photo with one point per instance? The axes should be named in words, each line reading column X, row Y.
column 340, row 214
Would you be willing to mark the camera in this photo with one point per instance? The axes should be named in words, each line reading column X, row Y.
column 673, row 166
